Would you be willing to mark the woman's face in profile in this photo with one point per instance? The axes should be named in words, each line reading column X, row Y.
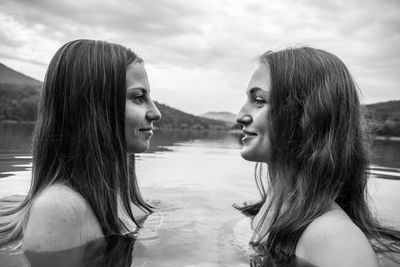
column 254, row 117
column 140, row 111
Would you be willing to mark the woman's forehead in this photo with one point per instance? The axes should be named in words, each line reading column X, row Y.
column 137, row 71
column 260, row 79
column 136, row 76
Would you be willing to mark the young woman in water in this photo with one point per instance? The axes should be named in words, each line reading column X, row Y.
column 95, row 113
column 303, row 119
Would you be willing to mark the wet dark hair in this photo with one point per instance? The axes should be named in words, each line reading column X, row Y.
column 319, row 151
column 79, row 137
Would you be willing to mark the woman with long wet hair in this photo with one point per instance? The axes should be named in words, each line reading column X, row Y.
column 95, row 113
column 303, row 119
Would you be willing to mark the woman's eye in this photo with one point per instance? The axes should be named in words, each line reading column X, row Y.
column 260, row 100
column 138, row 98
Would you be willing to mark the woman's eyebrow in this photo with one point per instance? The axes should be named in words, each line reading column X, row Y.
column 144, row 90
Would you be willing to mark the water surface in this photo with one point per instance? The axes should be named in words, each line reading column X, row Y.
column 193, row 178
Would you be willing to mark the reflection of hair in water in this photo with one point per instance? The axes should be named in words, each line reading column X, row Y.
column 111, row 251
column 319, row 151
column 265, row 259
column 79, row 137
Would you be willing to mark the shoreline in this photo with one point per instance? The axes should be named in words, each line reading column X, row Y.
column 216, row 129
column 387, row 138
column 232, row 131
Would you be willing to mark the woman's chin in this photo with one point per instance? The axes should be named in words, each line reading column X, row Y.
column 248, row 154
column 138, row 148
column 254, row 154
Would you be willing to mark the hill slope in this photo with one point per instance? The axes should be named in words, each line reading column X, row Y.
column 174, row 118
column 11, row 76
column 19, row 97
column 221, row 115
column 384, row 118
column 385, row 110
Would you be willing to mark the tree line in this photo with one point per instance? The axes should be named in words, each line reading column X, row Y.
column 19, row 103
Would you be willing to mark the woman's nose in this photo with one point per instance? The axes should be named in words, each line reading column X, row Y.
column 153, row 114
column 243, row 117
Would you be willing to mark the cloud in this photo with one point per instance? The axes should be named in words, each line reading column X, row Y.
column 206, row 49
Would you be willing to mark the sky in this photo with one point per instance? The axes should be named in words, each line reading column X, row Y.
column 200, row 54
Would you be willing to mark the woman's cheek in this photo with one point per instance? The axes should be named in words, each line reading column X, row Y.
column 134, row 117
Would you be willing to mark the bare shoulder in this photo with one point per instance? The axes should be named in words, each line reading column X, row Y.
column 59, row 218
column 334, row 240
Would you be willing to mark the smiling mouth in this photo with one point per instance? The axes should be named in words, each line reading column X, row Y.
column 249, row 133
column 247, row 136
column 146, row 132
column 146, row 129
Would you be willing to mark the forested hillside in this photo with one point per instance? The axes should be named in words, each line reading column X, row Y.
column 19, row 97
column 384, row 118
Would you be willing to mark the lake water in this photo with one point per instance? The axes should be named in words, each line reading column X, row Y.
column 193, row 178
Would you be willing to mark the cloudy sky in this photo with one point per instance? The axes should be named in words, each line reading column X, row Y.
column 200, row 54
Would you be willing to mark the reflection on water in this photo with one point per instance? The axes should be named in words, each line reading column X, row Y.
column 192, row 179
column 386, row 153
column 163, row 139
column 117, row 251
column 15, row 147
column 267, row 260
column 114, row 250
column 15, row 138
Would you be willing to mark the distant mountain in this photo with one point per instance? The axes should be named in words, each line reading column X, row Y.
column 384, row 118
column 220, row 115
column 174, row 118
column 385, row 110
column 10, row 76
column 19, row 97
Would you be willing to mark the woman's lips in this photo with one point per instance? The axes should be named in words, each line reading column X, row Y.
column 146, row 131
column 248, row 136
column 246, row 132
